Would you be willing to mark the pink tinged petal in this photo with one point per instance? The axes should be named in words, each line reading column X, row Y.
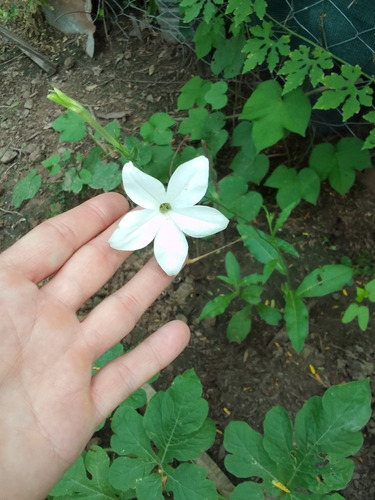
column 136, row 230
column 188, row 183
column 144, row 190
column 170, row 247
column 199, row 221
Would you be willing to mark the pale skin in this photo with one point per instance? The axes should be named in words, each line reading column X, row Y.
column 50, row 404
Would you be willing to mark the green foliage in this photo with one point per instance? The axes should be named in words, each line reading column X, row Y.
column 26, row 188
column 274, row 115
column 339, row 164
column 345, row 90
column 301, row 66
column 264, row 47
column 307, row 461
column 202, row 92
column 72, row 127
column 157, row 129
column 358, row 310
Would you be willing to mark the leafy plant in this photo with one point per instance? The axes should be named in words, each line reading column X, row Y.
column 308, row 460
column 358, row 310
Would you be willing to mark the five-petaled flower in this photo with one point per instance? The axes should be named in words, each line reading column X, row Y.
column 167, row 214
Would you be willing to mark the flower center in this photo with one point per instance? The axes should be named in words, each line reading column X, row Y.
column 164, row 208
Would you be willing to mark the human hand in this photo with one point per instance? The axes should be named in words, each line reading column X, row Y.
column 49, row 403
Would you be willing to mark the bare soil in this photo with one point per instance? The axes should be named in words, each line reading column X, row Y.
column 135, row 78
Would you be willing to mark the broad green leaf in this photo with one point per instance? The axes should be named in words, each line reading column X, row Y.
column 26, row 188
column 228, row 57
column 247, row 456
column 232, row 268
column 269, row 314
column 296, row 318
column 72, row 127
column 129, row 436
column 263, row 46
column 304, row 62
column 150, row 488
column 260, row 247
column 126, row 472
column 370, row 288
column 248, row 490
column 350, row 313
column 235, row 201
column 344, row 89
column 189, row 482
column 216, row 95
column 363, row 317
column 324, row 280
column 72, row 181
column 76, row 484
column 106, row 176
column 157, row 129
column 53, row 164
column 112, row 353
column 112, row 128
column 293, row 186
column 370, row 140
column 193, row 92
column 216, row 306
column 208, row 36
column 339, row 165
column 327, row 430
column 274, row 115
column 239, row 325
column 177, row 416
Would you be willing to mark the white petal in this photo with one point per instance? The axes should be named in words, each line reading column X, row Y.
column 136, row 230
column 188, row 183
column 170, row 247
column 199, row 221
column 144, row 190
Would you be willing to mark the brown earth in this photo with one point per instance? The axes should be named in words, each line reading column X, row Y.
column 135, row 78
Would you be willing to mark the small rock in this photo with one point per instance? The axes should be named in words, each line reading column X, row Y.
column 7, row 155
column 69, row 63
column 28, row 104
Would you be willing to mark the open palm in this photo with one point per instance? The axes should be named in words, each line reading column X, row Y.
column 49, row 402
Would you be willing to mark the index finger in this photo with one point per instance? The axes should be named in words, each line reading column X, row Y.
column 47, row 247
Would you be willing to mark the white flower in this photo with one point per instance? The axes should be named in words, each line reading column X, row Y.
column 167, row 214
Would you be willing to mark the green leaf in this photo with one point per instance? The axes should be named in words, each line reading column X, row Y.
column 232, row 268
column 235, row 201
column 26, row 188
column 269, row 314
column 112, row 353
column 208, row 36
column 150, row 488
column 327, row 430
column 264, row 46
column 248, row 490
column 370, row 288
column 176, row 420
column 72, row 181
column 301, row 65
column 76, row 484
column 216, row 306
column 274, row 115
column 126, row 472
column 188, row 482
column 193, row 92
column 72, row 127
column 363, row 317
column 157, row 129
column 339, row 165
column 350, row 313
column 324, row 280
column 345, row 90
column 228, row 57
column 260, row 246
column 239, row 325
column 216, row 95
column 296, row 318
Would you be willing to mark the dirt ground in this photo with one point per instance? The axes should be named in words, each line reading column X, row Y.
column 135, row 78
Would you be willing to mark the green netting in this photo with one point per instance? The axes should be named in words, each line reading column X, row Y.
column 344, row 27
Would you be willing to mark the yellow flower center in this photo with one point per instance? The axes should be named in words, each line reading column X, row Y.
column 164, row 208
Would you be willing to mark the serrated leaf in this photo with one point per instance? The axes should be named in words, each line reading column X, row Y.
column 239, row 325
column 264, row 47
column 188, row 481
column 296, row 318
column 26, row 188
column 76, row 484
column 305, row 62
column 216, row 306
column 325, row 280
column 273, row 115
column 344, row 89
column 176, row 416
column 72, row 127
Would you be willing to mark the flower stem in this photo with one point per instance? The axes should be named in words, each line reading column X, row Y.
column 196, row 259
